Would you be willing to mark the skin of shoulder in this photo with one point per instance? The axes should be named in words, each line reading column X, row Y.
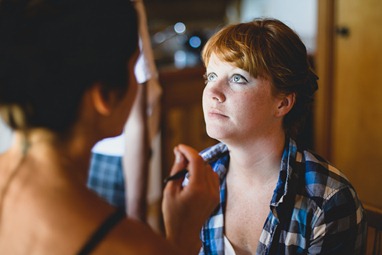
column 134, row 237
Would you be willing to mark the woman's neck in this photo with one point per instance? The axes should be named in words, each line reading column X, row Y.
column 69, row 152
column 258, row 159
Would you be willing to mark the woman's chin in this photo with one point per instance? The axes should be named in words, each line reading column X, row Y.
column 217, row 133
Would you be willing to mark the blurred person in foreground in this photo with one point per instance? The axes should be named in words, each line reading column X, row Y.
column 67, row 81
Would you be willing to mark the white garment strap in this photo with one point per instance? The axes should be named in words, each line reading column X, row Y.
column 228, row 249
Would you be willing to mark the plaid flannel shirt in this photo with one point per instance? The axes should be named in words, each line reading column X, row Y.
column 106, row 178
column 314, row 208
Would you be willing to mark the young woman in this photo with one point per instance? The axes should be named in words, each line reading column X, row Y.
column 276, row 197
column 67, row 81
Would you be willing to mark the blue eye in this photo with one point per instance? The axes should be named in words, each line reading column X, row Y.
column 237, row 78
column 211, row 77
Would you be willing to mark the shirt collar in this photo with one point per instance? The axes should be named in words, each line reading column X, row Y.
column 285, row 187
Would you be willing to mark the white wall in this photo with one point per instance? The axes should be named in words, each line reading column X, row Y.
column 300, row 15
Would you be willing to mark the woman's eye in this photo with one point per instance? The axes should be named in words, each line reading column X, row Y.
column 211, row 77
column 237, row 78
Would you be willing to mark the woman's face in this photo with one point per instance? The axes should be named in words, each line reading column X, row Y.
column 237, row 107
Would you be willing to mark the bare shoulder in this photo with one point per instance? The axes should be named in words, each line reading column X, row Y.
column 133, row 237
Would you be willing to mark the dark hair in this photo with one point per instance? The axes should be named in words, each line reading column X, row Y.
column 52, row 51
column 269, row 49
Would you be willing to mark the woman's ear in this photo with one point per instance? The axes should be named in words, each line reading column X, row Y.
column 285, row 104
column 102, row 101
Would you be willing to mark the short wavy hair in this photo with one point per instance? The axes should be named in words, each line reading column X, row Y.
column 269, row 49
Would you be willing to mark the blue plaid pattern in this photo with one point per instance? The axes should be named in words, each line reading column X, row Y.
column 314, row 209
column 106, row 178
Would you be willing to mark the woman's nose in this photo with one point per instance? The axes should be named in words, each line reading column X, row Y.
column 215, row 91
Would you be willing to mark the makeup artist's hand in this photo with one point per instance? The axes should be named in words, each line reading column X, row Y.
column 185, row 209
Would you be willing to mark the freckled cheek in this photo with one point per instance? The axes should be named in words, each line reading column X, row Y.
column 248, row 105
column 204, row 100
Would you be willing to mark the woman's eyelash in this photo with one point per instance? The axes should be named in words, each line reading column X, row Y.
column 241, row 78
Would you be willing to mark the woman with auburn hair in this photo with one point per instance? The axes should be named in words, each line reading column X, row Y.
column 276, row 196
column 67, row 81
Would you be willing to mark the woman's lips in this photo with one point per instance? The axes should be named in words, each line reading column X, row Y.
column 216, row 113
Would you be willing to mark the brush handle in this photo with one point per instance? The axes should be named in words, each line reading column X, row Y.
column 181, row 174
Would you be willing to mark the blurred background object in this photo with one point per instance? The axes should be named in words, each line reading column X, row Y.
column 179, row 29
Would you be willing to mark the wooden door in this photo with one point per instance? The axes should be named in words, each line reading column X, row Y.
column 357, row 115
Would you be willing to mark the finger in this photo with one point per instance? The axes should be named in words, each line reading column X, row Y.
column 214, row 181
column 177, row 172
column 180, row 161
column 196, row 164
column 173, row 186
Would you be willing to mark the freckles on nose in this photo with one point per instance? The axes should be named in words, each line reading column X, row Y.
column 213, row 88
column 209, row 94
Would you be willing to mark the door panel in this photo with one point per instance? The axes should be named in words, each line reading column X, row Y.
column 357, row 98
